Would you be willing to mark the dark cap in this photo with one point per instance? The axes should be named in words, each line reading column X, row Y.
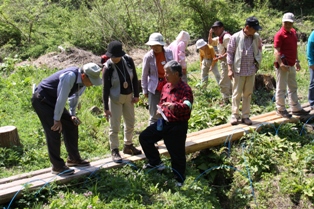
column 115, row 49
column 217, row 24
column 253, row 23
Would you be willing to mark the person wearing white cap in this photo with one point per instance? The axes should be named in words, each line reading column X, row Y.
column 153, row 73
column 208, row 61
column 178, row 47
column 49, row 100
column 286, row 64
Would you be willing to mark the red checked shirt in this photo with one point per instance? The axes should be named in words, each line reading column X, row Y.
column 180, row 93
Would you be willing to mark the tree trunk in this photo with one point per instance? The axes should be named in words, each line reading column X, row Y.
column 9, row 136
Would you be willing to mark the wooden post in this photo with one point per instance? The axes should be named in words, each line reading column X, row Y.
column 9, row 136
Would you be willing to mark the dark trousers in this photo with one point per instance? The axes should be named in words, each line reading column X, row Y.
column 311, row 88
column 45, row 112
column 174, row 136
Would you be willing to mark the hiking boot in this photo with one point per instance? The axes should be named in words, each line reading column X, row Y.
column 131, row 150
column 77, row 163
column 283, row 114
column 63, row 171
column 247, row 121
column 159, row 167
column 300, row 112
column 234, row 121
column 116, row 157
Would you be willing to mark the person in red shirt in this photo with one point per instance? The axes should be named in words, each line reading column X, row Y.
column 287, row 63
column 176, row 104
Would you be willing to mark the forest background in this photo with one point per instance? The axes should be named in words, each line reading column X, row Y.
column 269, row 169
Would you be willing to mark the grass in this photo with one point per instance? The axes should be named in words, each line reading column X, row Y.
column 269, row 169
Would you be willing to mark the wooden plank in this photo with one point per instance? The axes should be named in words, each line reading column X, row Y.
column 195, row 141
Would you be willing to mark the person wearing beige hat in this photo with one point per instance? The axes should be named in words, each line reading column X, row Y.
column 153, row 73
column 120, row 93
column 286, row 64
column 208, row 61
column 49, row 100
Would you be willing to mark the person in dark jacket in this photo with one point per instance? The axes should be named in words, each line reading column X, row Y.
column 49, row 100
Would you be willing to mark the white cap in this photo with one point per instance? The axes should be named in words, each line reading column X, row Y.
column 288, row 17
column 156, row 39
column 92, row 70
column 200, row 43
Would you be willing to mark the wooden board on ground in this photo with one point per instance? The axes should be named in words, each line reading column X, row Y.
column 203, row 139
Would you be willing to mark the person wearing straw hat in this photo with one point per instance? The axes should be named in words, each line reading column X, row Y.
column 49, row 100
column 208, row 61
column 153, row 73
column 120, row 93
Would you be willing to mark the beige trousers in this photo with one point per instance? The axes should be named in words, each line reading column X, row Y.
column 124, row 107
column 242, row 88
column 225, row 82
column 284, row 79
column 206, row 63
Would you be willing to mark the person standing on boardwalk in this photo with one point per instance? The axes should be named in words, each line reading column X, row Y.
column 120, row 93
column 153, row 73
column 222, row 43
column 310, row 59
column 176, row 104
column 244, row 56
column 287, row 63
column 49, row 100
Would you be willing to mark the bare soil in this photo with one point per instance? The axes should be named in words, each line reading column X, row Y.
column 77, row 57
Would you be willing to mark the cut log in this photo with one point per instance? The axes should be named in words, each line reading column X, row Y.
column 9, row 136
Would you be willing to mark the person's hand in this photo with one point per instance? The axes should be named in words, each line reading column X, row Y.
column 76, row 120
column 298, row 66
column 146, row 95
column 135, row 100
column 211, row 31
column 168, row 105
column 230, row 74
column 57, row 126
column 284, row 67
column 107, row 114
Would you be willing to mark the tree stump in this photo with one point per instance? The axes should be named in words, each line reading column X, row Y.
column 9, row 136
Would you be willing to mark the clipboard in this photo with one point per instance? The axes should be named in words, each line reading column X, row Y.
column 161, row 112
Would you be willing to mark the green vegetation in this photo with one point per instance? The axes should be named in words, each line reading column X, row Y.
column 269, row 169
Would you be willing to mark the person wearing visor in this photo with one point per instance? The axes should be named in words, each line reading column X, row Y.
column 286, row 64
column 244, row 56
column 176, row 105
column 153, row 73
column 49, row 100
column 120, row 93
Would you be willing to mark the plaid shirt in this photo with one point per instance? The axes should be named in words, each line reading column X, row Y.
column 177, row 95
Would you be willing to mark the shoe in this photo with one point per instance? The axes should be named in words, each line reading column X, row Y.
column 159, row 167
column 63, row 171
column 178, row 184
column 234, row 121
column 116, row 157
column 247, row 121
column 300, row 112
column 283, row 114
column 131, row 150
column 78, row 163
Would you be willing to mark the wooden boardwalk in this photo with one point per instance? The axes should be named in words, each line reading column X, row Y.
column 15, row 185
